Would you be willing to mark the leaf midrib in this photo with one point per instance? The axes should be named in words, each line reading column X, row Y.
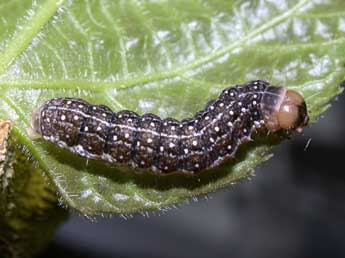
column 179, row 71
column 14, row 49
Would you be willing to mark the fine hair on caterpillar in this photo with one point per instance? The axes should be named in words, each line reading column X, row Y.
column 164, row 146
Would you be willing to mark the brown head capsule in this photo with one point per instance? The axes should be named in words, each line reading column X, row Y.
column 284, row 110
column 293, row 113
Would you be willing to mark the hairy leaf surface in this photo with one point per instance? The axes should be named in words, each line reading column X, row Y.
column 164, row 57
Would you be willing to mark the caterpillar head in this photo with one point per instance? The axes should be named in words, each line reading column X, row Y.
column 293, row 114
column 284, row 110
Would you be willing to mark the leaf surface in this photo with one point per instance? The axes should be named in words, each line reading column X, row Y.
column 164, row 57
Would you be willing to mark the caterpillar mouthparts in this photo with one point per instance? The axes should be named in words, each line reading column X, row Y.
column 168, row 145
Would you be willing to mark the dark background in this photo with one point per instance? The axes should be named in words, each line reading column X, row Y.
column 293, row 207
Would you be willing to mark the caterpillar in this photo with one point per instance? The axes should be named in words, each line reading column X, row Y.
column 167, row 145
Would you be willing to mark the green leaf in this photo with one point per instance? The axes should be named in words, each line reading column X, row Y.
column 29, row 214
column 164, row 57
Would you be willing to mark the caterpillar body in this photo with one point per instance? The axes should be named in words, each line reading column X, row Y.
column 168, row 145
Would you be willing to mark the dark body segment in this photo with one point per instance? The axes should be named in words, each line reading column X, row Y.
column 121, row 137
column 147, row 141
column 94, row 130
column 217, row 127
column 169, row 147
column 192, row 150
column 165, row 146
column 62, row 120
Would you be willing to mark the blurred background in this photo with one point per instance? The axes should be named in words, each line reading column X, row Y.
column 293, row 207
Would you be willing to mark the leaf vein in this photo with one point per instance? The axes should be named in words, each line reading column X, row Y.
column 22, row 38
